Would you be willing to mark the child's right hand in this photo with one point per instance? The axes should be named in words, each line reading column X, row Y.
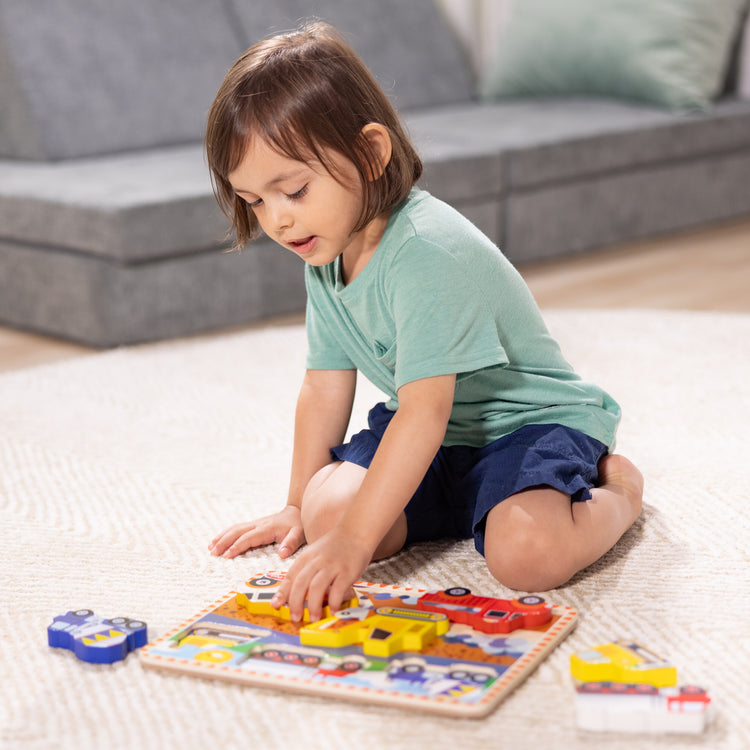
column 284, row 527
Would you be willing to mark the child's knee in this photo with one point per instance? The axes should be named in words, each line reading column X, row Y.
column 318, row 480
column 327, row 496
column 526, row 561
column 316, row 503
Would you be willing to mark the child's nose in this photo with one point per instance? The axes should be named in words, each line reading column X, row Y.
column 282, row 217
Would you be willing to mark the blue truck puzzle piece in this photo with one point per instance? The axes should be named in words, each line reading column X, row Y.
column 96, row 639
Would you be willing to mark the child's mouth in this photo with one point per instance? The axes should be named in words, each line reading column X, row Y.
column 304, row 245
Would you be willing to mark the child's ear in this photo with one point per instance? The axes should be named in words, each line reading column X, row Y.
column 379, row 147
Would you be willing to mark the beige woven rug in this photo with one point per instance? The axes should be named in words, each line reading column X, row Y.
column 116, row 469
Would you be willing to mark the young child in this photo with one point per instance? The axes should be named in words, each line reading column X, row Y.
column 488, row 433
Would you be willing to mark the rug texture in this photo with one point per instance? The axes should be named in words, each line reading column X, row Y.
column 116, row 469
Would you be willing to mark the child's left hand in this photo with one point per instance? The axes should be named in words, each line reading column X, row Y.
column 329, row 566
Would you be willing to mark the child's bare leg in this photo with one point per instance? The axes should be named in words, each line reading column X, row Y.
column 537, row 540
column 328, row 495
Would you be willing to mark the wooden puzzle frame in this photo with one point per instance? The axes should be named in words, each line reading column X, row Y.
column 400, row 647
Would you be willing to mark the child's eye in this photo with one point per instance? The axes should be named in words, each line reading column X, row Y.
column 250, row 203
column 299, row 194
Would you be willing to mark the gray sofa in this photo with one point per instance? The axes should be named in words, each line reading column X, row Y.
column 109, row 233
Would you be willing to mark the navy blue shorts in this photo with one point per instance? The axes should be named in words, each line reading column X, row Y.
column 464, row 484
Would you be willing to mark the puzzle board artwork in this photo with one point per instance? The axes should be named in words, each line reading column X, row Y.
column 447, row 652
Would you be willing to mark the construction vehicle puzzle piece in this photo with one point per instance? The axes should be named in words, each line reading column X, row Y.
column 96, row 639
column 487, row 614
column 255, row 596
column 386, row 631
column 623, row 707
column 622, row 661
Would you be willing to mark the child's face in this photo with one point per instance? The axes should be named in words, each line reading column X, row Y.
column 301, row 205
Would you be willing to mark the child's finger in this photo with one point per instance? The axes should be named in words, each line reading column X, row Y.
column 340, row 589
column 298, row 594
column 281, row 597
column 316, row 594
column 220, row 543
column 217, row 539
column 244, row 537
column 252, row 538
column 291, row 542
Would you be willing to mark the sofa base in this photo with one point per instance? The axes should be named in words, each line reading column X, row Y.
column 622, row 207
column 93, row 301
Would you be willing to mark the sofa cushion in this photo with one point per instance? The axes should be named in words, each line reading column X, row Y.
column 408, row 46
column 154, row 204
column 670, row 52
column 553, row 140
column 128, row 208
column 79, row 79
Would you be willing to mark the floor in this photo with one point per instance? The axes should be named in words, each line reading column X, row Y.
column 706, row 269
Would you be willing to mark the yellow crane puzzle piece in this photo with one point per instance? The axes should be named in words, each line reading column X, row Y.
column 622, row 661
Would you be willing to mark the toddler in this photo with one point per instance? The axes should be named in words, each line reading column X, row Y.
column 487, row 432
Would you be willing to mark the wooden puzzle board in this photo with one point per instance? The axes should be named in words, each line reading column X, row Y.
column 462, row 672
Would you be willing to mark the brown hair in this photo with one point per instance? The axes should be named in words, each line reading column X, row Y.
column 305, row 92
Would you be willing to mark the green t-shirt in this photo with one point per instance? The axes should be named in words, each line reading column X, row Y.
column 436, row 298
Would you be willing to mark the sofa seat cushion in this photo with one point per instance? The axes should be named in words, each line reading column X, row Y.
column 128, row 207
column 565, row 176
column 156, row 204
column 554, row 140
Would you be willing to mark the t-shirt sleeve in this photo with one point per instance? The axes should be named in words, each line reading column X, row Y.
column 444, row 324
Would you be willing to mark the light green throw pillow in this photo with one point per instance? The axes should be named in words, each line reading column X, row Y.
column 668, row 52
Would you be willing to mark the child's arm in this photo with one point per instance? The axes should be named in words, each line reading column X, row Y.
column 334, row 562
column 323, row 409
